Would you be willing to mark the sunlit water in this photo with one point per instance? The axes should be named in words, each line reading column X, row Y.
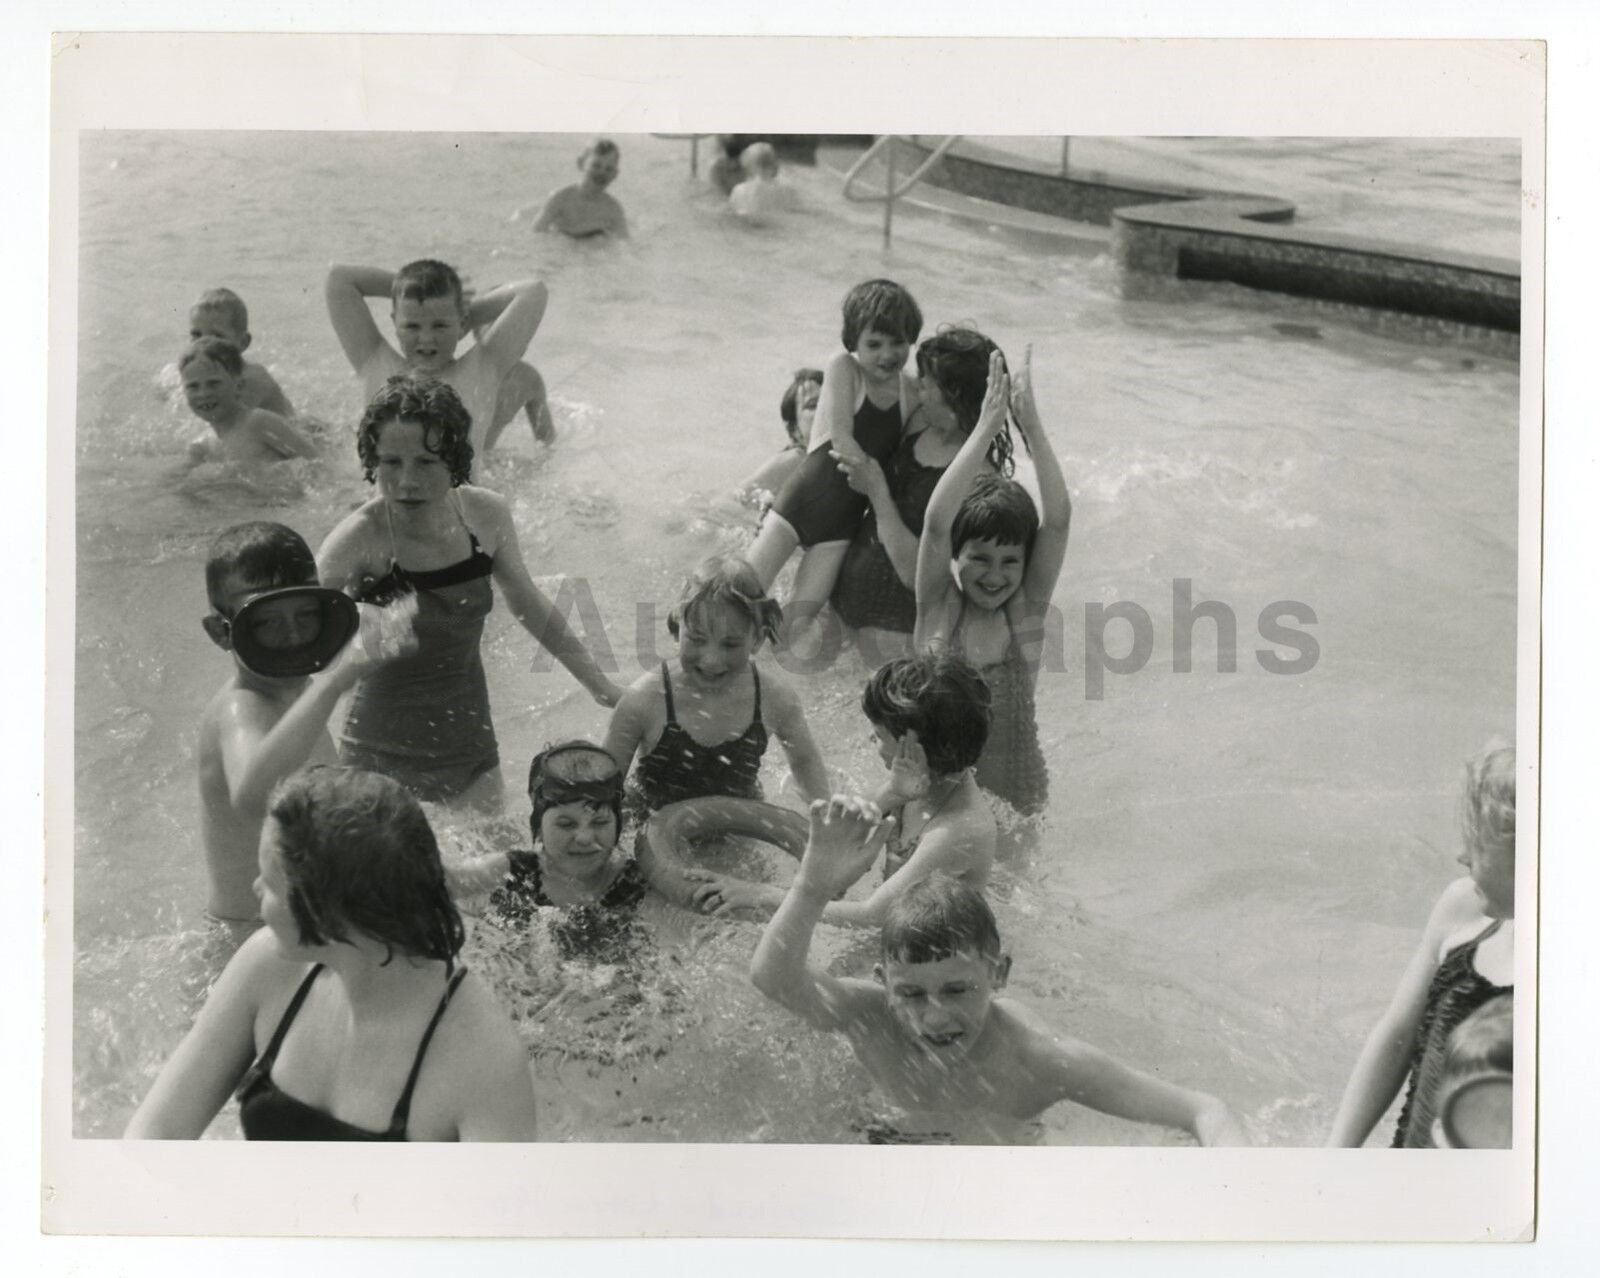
column 1234, row 865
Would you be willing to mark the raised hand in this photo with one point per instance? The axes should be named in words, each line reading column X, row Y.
column 846, row 834
column 996, row 397
column 908, row 772
column 1023, row 407
column 386, row 633
column 862, row 473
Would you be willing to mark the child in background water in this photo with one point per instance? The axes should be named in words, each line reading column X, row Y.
column 866, row 401
column 585, row 210
column 1467, row 957
column 761, row 194
column 931, row 1028
column 704, row 730
column 430, row 313
column 930, row 717
column 221, row 313
column 798, row 409
column 987, row 565
column 212, row 375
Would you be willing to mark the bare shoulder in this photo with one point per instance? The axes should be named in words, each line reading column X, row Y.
column 1458, row 911
column 779, row 697
column 483, row 1028
column 483, row 508
column 859, row 1005
column 260, row 975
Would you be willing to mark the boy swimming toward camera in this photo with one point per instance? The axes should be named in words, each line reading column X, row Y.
column 932, row 1029
column 292, row 660
column 221, row 313
column 211, row 373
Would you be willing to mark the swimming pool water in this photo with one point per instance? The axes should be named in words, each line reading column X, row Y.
column 1235, row 864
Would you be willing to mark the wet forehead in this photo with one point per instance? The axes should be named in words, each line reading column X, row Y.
column 427, row 308
column 962, row 968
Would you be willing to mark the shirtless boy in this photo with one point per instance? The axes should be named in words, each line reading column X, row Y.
column 585, row 210
column 431, row 314
column 931, row 1029
column 221, row 313
column 264, row 724
column 211, row 372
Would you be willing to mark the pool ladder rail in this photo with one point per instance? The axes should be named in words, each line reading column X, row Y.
column 884, row 143
column 891, row 192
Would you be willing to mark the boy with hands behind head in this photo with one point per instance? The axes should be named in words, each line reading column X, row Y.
column 931, row 1028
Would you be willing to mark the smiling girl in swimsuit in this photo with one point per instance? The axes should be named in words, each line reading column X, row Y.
column 1466, row 958
column 349, row 1001
column 987, row 566
column 702, row 729
column 425, row 719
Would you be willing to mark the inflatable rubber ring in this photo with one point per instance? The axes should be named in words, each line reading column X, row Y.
column 671, row 828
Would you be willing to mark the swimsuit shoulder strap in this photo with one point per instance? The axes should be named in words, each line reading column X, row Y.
column 402, row 1109
column 666, row 687
column 755, row 719
column 394, row 555
column 289, row 1013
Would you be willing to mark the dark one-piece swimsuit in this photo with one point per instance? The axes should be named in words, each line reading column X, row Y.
column 679, row 767
column 594, row 928
column 423, row 718
column 1457, row 990
column 267, row 1112
column 817, row 500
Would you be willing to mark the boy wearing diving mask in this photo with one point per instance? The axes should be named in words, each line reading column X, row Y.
column 293, row 658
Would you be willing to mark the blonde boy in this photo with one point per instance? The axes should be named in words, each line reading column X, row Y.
column 211, row 373
column 221, row 313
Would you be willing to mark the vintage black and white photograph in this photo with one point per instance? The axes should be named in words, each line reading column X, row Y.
column 623, row 636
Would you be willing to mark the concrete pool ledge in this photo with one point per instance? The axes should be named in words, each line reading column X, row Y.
column 1162, row 232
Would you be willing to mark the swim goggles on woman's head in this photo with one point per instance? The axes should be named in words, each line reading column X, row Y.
column 293, row 631
column 554, row 791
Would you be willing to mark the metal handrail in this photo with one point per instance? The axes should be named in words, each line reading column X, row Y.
column 891, row 193
column 694, row 147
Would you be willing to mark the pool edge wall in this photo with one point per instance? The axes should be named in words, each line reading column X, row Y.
column 1169, row 232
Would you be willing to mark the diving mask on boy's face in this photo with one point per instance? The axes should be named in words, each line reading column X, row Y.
column 293, row 631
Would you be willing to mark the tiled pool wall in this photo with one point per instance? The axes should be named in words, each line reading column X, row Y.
column 1161, row 234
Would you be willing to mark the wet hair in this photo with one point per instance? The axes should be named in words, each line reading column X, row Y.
column 937, row 918
column 225, row 355
column 1489, row 799
column 882, row 305
column 264, row 555
column 1481, row 1043
column 998, row 510
column 759, row 155
column 426, row 278
column 435, row 407
column 789, row 405
column 956, row 358
column 360, row 856
column 731, row 581
column 600, row 146
column 581, row 769
column 1479, row 1051
column 228, row 303
column 939, row 696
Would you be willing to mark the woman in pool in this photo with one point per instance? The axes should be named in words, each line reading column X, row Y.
column 875, row 595
column 349, row 1001
column 425, row 720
